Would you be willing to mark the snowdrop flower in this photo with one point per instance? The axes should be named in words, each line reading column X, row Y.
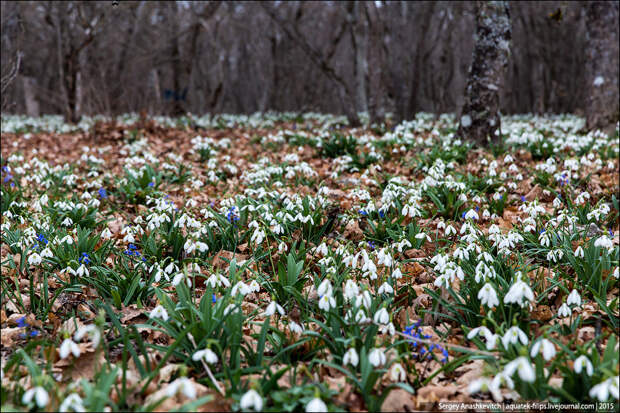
column 251, row 400
column 574, row 298
column 82, row 270
column 351, row 290
column 564, row 311
column 180, row 276
column 206, row 354
column 581, row 362
column 602, row 390
column 548, row 349
column 325, row 288
column 316, row 405
column 524, row 367
column 350, row 357
column 72, row 402
column 513, row 335
column 184, row 385
column 604, row 242
column 518, row 292
column 450, row 230
column 34, row 259
column 159, row 312
column 295, row 328
column 376, row 357
column 282, row 248
column 240, row 288
column 67, row 222
column 616, row 273
column 106, row 234
column 39, row 394
column 92, row 331
column 397, row 373
column 488, row 296
column 579, row 252
column 472, row 214
column 479, row 385
column 67, row 347
column 271, row 309
column 47, row 253
column 254, row 287
column 397, row 274
column 326, row 302
column 381, row 317
column 385, row 288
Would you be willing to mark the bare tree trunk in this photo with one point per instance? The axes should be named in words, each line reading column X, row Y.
column 376, row 66
column 480, row 115
column 30, row 99
column 602, row 64
column 358, row 41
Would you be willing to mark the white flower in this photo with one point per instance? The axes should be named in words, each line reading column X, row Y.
column 519, row 291
column 574, row 298
column 351, row 290
column 579, row 252
column 397, row 274
column 488, row 296
column 601, row 391
column 92, row 331
column 68, row 346
column 472, row 214
column 513, row 335
column 564, row 310
column 240, row 287
column 326, row 302
column 82, row 270
column 159, row 312
column 106, row 234
column 184, row 385
column 316, row 405
column 376, row 357
column 548, row 349
column 450, row 230
column 39, row 394
column 180, row 276
column 67, row 222
column 294, row 327
column 523, row 365
column 34, row 259
column 350, row 357
column 604, row 242
column 206, row 354
column 271, row 309
column 381, row 316
column 581, row 362
column 251, row 399
column 254, row 287
column 325, row 288
column 479, row 385
column 47, row 253
column 397, row 373
column 72, row 402
column 385, row 288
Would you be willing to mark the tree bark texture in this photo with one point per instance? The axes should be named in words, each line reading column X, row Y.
column 480, row 120
column 602, row 64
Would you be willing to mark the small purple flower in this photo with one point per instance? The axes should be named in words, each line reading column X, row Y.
column 102, row 193
column 21, row 322
column 522, row 198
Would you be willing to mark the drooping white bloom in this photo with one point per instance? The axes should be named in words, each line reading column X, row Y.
column 548, row 349
column 272, row 308
column 34, row 259
column 180, row 276
column 513, row 335
column 92, row 331
column 479, row 385
column 72, row 403
column 397, row 274
column 381, row 316
column 82, row 271
column 251, row 400
column 159, row 312
column 602, row 390
column 316, row 405
column 564, row 310
column 39, row 394
column 184, row 385
column 581, row 362
column 295, row 328
column 385, row 288
column 106, row 234
column 579, row 252
column 325, row 288
column 351, row 290
column 574, row 298
column 519, row 293
column 350, row 357
column 326, row 302
column 397, row 373
column 472, row 214
column 68, row 346
column 488, row 296
column 376, row 357
column 524, row 367
column 206, row 354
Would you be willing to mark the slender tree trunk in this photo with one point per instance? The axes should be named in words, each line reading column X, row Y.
column 480, row 120
column 30, row 98
column 602, row 64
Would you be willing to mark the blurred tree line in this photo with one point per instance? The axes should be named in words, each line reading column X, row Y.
column 239, row 57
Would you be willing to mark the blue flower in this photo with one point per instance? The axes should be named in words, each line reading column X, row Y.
column 213, row 299
column 371, row 245
column 463, row 215
column 151, row 184
column 422, row 352
column 21, row 322
column 381, row 214
column 522, row 198
column 84, row 259
column 102, row 193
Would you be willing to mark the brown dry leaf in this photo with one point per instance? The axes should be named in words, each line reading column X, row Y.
column 542, row 313
column 9, row 335
column 399, row 400
column 353, row 231
column 221, row 258
column 415, row 253
column 130, row 312
column 433, row 393
column 83, row 367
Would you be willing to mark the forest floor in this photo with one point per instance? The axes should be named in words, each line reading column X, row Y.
column 285, row 262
